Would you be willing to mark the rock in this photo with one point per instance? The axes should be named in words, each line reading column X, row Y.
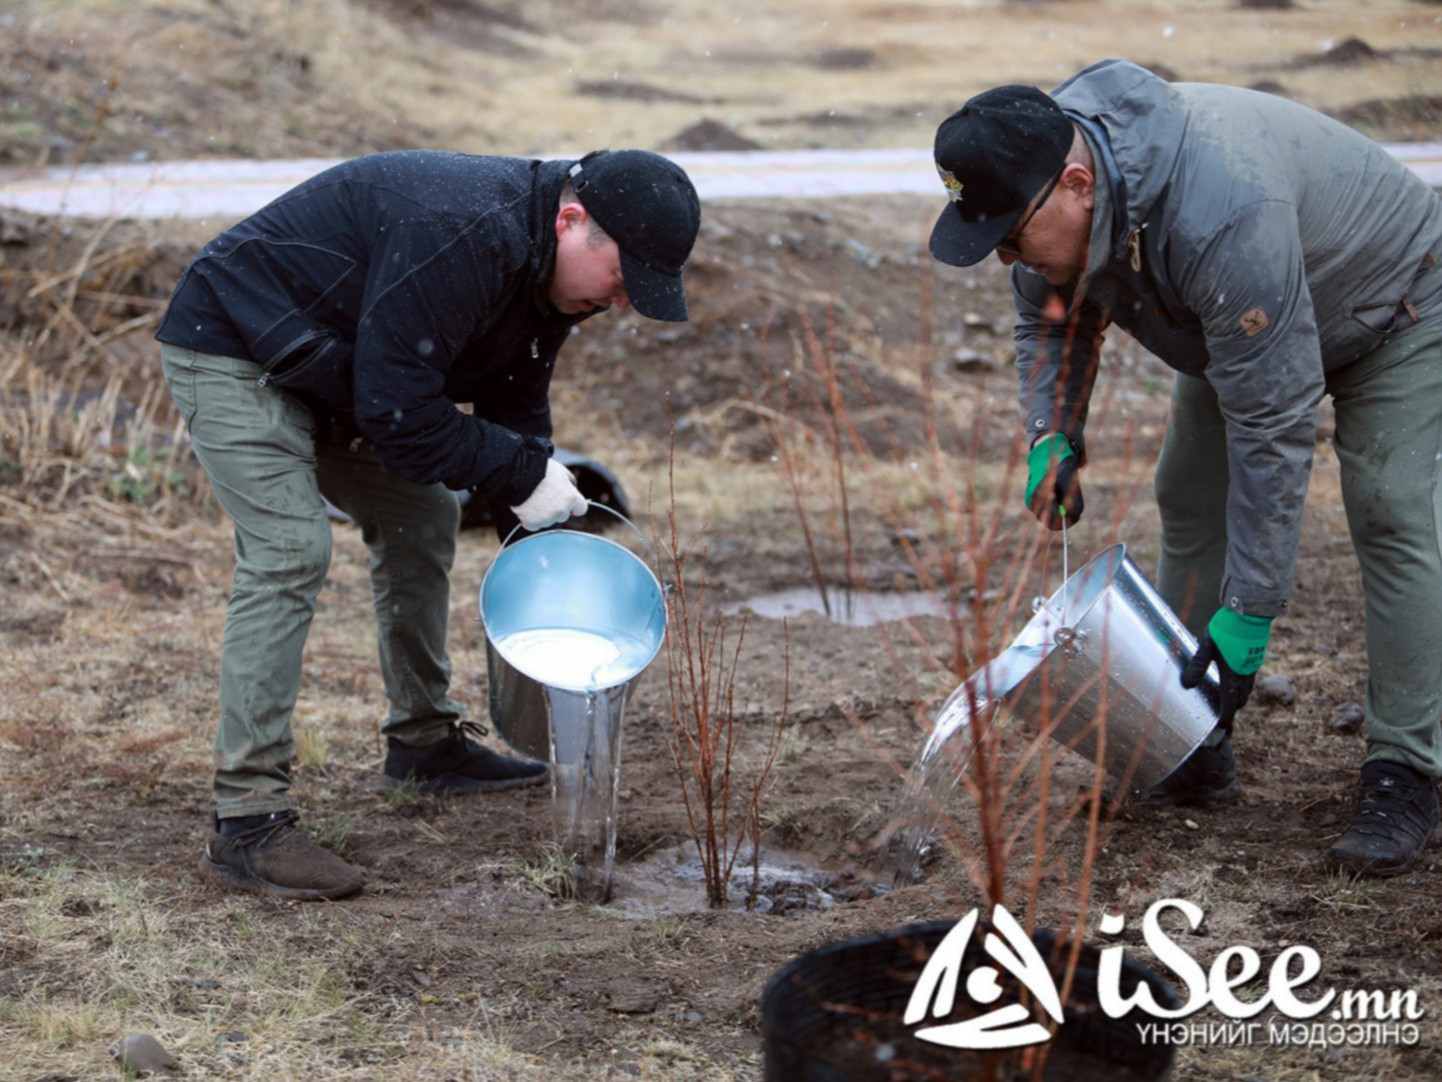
column 1270, row 86
column 1348, row 718
column 141, row 1054
column 1276, row 688
column 708, row 134
column 1350, row 51
column 969, row 360
column 627, row 998
column 845, row 59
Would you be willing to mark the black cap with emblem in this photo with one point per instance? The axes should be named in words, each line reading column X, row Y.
column 994, row 155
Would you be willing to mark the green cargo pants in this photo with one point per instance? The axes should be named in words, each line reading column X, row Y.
column 259, row 447
column 1389, row 443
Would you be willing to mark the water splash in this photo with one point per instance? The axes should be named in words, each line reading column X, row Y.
column 937, row 770
column 914, row 833
column 585, row 782
column 583, row 678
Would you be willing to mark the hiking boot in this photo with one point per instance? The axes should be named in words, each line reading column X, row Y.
column 266, row 854
column 1206, row 776
column 1396, row 815
column 458, row 764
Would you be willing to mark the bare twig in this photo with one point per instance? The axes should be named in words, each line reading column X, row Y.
column 704, row 730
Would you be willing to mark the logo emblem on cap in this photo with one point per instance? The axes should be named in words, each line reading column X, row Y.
column 953, row 186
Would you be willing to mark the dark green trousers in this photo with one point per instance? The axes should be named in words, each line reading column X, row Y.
column 1389, row 443
column 259, row 447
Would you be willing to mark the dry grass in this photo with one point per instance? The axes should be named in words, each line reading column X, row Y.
column 146, row 962
column 90, row 957
column 547, row 77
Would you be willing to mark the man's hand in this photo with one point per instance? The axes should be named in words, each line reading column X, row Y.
column 1238, row 644
column 1053, row 491
column 554, row 500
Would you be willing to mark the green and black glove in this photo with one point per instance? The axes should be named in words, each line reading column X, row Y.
column 1053, row 491
column 1238, row 644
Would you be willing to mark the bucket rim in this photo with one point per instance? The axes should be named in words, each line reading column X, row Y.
column 1115, row 555
column 1032, row 632
column 570, row 534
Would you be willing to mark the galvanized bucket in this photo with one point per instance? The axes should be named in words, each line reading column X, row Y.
column 1098, row 667
column 572, row 620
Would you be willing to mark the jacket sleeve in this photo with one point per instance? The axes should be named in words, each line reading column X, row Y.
column 1056, row 359
column 1248, row 286
column 429, row 286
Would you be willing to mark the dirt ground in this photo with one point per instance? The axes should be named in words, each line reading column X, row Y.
column 112, row 617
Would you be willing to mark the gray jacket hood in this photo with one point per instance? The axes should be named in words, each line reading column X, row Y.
column 1134, row 123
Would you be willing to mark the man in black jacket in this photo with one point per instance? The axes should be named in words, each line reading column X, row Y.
column 319, row 350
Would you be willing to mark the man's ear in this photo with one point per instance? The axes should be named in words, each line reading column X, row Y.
column 569, row 216
column 1080, row 182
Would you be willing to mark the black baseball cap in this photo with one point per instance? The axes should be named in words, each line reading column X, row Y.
column 648, row 206
column 994, row 154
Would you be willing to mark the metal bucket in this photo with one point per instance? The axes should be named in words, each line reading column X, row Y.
column 1099, row 669
column 572, row 620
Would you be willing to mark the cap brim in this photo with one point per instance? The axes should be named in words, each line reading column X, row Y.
column 654, row 293
column 961, row 243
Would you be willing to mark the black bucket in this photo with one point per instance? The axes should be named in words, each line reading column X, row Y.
column 835, row 1015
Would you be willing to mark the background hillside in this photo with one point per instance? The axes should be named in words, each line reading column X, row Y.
column 270, row 78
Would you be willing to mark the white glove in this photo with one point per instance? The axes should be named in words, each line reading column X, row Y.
column 554, row 500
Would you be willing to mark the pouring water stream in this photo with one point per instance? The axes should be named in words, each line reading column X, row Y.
column 940, row 765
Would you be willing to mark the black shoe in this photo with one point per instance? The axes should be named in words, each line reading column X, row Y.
column 266, row 854
column 1206, row 776
column 1396, row 815
column 458, row 764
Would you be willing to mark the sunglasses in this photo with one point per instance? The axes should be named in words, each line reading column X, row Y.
column 1011, row 243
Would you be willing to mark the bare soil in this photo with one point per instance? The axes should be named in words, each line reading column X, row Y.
column 112, row 618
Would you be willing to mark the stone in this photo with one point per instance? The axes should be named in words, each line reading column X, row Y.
column 1348, row 718
column 632, row 998
column 141, row 1054
column 1276, row 688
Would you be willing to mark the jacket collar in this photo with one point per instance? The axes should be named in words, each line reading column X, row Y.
column 547, row 180
column 1112, row 237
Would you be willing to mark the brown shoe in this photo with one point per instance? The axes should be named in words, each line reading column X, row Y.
column 268, row 855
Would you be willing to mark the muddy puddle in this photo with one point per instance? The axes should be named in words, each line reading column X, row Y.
column 852, row 608
column 670, row 881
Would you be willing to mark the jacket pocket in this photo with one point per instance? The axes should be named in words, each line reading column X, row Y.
column 1377, row 318
column 315, row 362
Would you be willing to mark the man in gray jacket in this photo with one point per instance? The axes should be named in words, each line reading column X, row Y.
column 1270, row 256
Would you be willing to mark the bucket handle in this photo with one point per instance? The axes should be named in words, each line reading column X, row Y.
column 600, row 507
